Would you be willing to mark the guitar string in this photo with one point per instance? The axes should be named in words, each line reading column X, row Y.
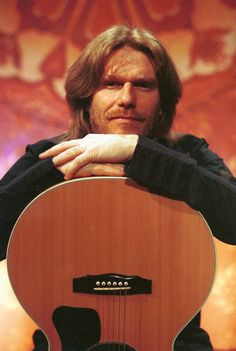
column 114, row 344
column 103, row 316
column 107, row 319
column 114, row 317
column 110, row 322
column 124, row 320
column 119, row 317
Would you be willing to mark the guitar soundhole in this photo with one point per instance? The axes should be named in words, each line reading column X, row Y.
column 111, row 346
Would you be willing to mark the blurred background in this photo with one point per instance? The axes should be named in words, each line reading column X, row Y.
column 40, row 39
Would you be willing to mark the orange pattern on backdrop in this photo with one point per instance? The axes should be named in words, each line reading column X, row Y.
column 39, row 40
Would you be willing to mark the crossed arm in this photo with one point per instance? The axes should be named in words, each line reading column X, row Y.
column 93, row 155
column 165, row 171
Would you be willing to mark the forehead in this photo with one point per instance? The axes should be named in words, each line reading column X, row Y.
column 129, row 62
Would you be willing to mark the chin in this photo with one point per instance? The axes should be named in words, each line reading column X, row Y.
column 127, row 129
column 124, row 126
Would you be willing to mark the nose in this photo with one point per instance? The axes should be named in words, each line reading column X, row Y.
column 127, row 96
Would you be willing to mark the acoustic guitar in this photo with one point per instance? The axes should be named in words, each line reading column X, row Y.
column 103, row 264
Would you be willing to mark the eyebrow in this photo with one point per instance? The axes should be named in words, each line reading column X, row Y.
column 150, row 81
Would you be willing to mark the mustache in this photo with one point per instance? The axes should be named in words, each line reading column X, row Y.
column 124, row 114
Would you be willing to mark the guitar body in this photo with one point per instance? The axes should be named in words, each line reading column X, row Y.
column 99, row 226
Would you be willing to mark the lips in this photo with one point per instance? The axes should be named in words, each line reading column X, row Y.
column 127, row 117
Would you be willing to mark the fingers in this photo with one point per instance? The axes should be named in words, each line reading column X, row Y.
column 75, row 151
column 59, row 148
column 76, row 164
column 97, row 169
column 67, row 155
column 72, row 155
column 94, row 169
column 63, row 153
column 103, row 147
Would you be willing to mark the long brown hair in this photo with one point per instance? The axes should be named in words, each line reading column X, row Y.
column 84, row 75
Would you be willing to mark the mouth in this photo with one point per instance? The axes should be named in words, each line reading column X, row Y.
column 127, row 118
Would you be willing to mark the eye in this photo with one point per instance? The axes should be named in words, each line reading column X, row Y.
column 112, row 84
column 146, row 85
column 142, row 85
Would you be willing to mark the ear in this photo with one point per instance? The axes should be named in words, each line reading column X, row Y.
column 86, row 115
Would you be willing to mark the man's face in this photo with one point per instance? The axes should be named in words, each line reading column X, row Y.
column 127, row 99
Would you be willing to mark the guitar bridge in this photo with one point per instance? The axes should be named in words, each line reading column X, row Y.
column 112, row 284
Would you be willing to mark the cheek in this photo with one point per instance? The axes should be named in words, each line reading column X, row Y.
column 150, row 106
column 95, row 110
column 103, row 99
column 99, row 105
column 97, row 113
column 96, row 119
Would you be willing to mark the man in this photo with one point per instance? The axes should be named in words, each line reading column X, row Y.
column 122, row 92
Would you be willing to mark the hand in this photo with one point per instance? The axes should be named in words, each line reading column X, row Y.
column 71, row 156
column 96, row 169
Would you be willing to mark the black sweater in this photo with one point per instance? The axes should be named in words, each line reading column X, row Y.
column 184, row 170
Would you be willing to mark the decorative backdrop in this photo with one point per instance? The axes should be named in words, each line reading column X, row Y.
column 39, row 40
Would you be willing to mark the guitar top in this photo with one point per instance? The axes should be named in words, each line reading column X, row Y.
column 102, row 262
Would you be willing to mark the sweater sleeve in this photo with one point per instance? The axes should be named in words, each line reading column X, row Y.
column 179, row 176
column 25, row 180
